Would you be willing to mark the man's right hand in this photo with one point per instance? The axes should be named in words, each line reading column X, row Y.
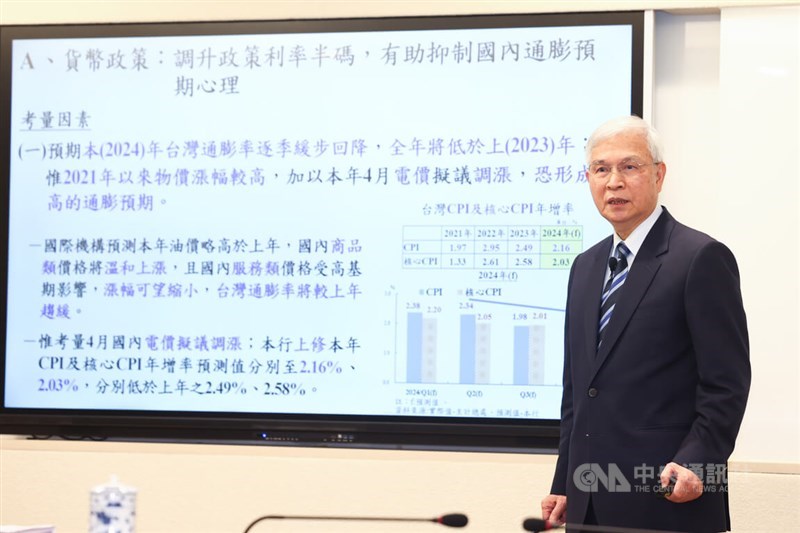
column 554, row 508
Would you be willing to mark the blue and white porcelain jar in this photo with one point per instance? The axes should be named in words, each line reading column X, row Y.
column 113, row 508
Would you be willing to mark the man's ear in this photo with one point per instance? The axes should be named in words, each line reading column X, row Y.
column 661, row 172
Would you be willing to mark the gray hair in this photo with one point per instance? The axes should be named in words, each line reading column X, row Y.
column 626, row 124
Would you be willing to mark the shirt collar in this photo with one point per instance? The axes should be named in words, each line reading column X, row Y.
column 636, row 238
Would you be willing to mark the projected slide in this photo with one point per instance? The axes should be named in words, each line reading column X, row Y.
column 343, row 223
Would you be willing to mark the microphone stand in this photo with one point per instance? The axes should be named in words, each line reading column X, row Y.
column 450, row 520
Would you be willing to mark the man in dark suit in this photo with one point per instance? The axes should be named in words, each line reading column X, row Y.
column 656, row 362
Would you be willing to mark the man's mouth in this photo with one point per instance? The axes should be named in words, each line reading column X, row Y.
column 617, row 201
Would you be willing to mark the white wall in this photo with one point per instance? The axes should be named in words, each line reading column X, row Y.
column 214, row 489
column 81, row 11
column 731, row 173
column 727, row 102
column 760, row 137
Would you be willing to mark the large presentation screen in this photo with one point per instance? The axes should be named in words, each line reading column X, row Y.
column 366, row 218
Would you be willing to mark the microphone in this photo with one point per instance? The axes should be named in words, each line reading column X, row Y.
column 537, row 524
column 612, row 264
column 450, row 520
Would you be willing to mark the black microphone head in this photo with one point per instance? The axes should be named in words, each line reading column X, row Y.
column 453, row 520
column 536, row 524
column 612, row 263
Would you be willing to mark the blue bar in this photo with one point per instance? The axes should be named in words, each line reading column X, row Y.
column 467, row 349
column 521, row 354
column 414, row 347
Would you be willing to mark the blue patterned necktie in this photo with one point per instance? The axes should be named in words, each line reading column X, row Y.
column 619, row 272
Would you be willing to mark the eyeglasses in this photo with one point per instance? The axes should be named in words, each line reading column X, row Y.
column 627, row 168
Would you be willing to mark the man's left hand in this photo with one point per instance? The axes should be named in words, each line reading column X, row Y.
column 688, row 486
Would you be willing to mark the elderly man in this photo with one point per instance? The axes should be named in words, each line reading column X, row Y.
column 656, row 362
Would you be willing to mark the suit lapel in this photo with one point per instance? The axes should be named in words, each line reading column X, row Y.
column 591, row 289
column 644, row 269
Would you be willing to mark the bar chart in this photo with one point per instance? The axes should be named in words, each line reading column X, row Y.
column 477, row 319
column 506, row 345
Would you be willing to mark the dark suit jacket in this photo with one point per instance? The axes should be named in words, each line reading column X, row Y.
column 670, row 382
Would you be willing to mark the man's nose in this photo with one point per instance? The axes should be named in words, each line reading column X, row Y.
column 615, row 179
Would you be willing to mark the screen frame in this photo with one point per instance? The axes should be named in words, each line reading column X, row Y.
column 450, row 433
